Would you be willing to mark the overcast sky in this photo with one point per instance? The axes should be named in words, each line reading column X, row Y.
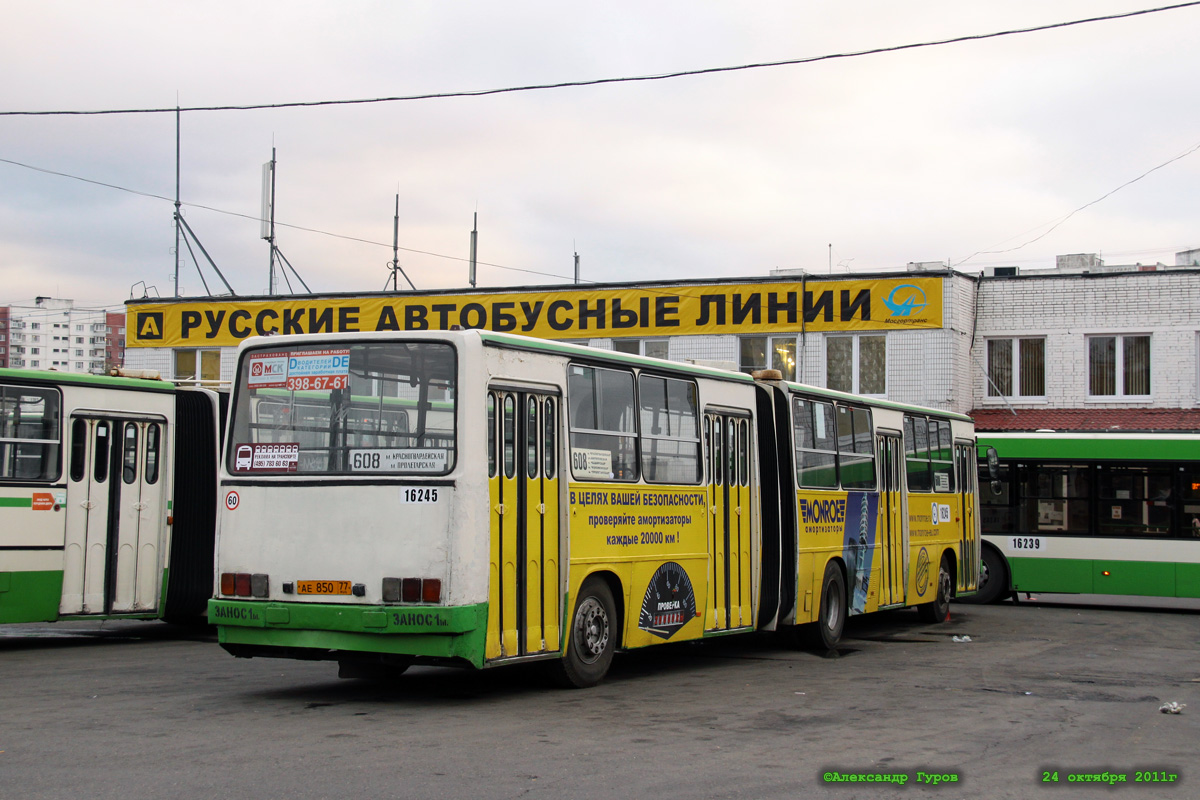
column 929, row 154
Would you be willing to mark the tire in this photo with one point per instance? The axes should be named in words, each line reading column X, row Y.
column 993, row 578
column 592, row 639
column 826, row 632
column 938, row 609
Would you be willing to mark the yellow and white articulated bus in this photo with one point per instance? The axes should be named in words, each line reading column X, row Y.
column 107, row 497
column 483, row 498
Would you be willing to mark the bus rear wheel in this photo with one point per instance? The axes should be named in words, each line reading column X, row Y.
column 938, row 609
column 826, row 632
column 593, row 637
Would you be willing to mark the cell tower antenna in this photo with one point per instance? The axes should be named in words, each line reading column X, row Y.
column 395, row 267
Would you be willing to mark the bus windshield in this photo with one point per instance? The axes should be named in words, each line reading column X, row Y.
column 374, row 407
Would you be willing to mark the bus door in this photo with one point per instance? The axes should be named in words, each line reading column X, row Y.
column 730, row 493
column 968, row 475
column 891, row 519
column 523, row 477
column 114, row 516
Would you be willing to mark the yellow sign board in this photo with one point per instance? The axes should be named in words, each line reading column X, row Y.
column 640, row 311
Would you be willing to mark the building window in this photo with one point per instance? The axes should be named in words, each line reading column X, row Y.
column 208, row 362
column 856, row 364
column 1016, row 367
column 769, row 352
column 654, row 348
column 1119, row 366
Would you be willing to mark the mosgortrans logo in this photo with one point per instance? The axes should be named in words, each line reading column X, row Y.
column 905, row 300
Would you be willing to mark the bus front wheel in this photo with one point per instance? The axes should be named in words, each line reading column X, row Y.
column 593, row 637
column 993, row 577
column 938, row 609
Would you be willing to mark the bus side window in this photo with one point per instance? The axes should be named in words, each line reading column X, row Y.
column 815, row 430
column 510, row 436
column 731, row 452
column 941, row 455
column 31, row 415
column 743, row 448
column 100, row 457
column 129, row 453
column 491, row 434
column 916, row 453
column 153, row 432
column 856, row 450
column 531, row 438
column 550, row 441
column 78, row 450
column 603, row 425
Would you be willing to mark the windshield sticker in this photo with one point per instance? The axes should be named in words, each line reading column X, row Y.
column 266, row 370
column 277, row 457
column 427, row 460
column 301, row 370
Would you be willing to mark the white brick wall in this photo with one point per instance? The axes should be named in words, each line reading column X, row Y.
column 1066, row 309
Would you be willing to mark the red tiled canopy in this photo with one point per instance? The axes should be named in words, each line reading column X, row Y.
column 1087, row 419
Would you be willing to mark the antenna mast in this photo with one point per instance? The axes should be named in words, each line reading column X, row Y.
column 177, row 217
column 268, row 216
column 474, row 243
column 395, row 265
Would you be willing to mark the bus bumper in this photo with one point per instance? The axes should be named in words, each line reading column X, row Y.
column 329, row 631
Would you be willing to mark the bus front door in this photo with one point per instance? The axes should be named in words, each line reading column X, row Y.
column 730, row 529
column 115, row 511
column 525, row 597
column 892, row 551
column 969, row 555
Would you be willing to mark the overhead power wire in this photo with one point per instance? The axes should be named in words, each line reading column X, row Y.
column 258, row 219
column 1058, row 223
column 628, row 79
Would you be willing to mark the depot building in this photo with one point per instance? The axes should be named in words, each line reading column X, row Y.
column 1083, row 346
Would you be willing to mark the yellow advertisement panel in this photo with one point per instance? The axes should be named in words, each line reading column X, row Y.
column 722, row 308
column 655, row 538
column 934, row 522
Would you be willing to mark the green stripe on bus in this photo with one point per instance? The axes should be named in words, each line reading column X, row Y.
column 1105, row 576
column 1085, row 447
column 30, row 596
column 16, row 502
column 50, row 378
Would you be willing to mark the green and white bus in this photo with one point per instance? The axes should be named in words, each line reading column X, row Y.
column 107, row 497
column 1091, row 513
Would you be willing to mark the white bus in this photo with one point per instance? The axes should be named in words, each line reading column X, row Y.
column 482, row 498
column 107, row 497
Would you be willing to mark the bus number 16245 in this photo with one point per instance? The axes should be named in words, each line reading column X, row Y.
column 418, row 494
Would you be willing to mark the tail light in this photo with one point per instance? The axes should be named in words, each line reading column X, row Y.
column 245, row 584
column 412, row 590
column 431, row 590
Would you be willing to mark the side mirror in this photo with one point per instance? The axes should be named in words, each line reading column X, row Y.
column 993, row 463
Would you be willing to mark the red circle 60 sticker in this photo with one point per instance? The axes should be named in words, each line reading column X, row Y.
column 232, row 500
